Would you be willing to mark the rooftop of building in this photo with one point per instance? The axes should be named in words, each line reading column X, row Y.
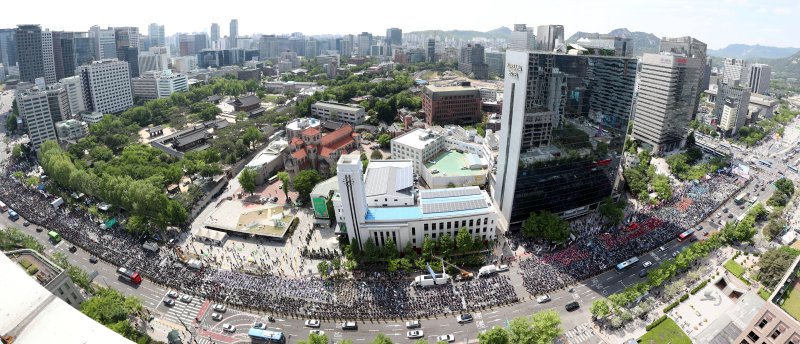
column 28, row 308
column 325, row 187
column 302, row 123
column 417, row 138
column 389, row 178
column 452, row 90
column 335, row 105
column 434, row 204
column 267, row 155
column 40, row 268
column 246, row 101
column 451, row 163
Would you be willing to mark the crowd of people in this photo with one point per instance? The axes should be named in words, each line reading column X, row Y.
column 370, row 296
column 599, row 246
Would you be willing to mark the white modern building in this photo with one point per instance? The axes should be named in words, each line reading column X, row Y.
column 71, row 130
column 74, row 88
column 332, row 111
column 157, row 59
column 522, row 38
column 295, row 127
column 762, row 106
column 419, row 146
column 92, row 117
column 48, row 59
column 389, row 183
column 268, row 161
column 433, row 214
column 734, row 70
column 184, row 64
column 159, row 84
column 759, row 78
column 34, row 109
column 109, row 85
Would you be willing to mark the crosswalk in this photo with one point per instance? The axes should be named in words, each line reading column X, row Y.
column 581, row 334
column 182, row 310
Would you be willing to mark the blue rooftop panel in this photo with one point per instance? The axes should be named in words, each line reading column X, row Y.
column 394, row 214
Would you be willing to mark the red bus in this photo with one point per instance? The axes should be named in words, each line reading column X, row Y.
column 129, row 275
column 686, row 235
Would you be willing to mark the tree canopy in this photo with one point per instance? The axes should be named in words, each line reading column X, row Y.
column 247, row 179
column 305, row 181
column 547, row 226
column 774, row 263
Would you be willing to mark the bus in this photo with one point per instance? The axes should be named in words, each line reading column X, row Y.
column 272, row 179
column 12, row 215
column 765, row 163
column 129, row 275
column 628, row 263
column 792, row 168
column 55, row 238
column 686, row 235
column 753, row 200
column 267, row 336
column 739, row 200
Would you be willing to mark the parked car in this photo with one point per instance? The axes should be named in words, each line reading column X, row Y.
column 349, row 325
column 647, row 264
column 572, row 306
column 415, row 334
column 73, row 249
column 447, row 338
column 502, row 268
column 186, row 298
column 220, row 308
column 260, row 326
column 642, row 273
column 26, row 223
column 312, row 323
column 413, row 324
column 317, row 332
column 169, row 302
column 464, row 318
column 173, row 294
column 543, row 299
column 93, row 260
column 228, row 328
column 216, row 316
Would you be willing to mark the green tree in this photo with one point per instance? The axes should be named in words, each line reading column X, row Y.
column 600, row 308
column 112, row 309
column 376, row 155
column 284, row 178
column 662, row 186
column 251, row 136
column 314, row 338
column 693, row 154
column 678, row 164
column 382, row 339
column 11, row 123
column 428, row 246
column 774, row 263
column 636, row 180
column 385, row 112
column 305, row 181
column 322, row 267
column 384, row 140
column 613, row 212
column 463, row 241
column 773, row 228
column 247, row 179
column 14, row 239
column 547, row 226
column 496, row 335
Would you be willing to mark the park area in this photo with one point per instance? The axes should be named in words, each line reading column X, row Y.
column 666, row 332
column 792, row 302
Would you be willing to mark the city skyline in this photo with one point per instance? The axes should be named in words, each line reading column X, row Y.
column 716, row 22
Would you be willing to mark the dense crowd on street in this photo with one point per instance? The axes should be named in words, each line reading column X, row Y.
column 599, row 247
column 371, row 296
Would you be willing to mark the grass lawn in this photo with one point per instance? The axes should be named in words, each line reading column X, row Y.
column 764, row 293
column 666, row 332
column 735, row 268
column 792, row 303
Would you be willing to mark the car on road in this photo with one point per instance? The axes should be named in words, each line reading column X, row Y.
column 447, row 338
column 169, row 302
column 39, row 229
column 415, row 334
column 186, row 298
column 413, row 324
column 312, row 323
column 173, row 294
column 730, row 216
column 73, row 249
column 26, row 223
column 543, row 299
column 572, row 306
column 642, row 273
column 662, row 248
column 502, row 268
column 317, row 332
column 705, row 233
column 260, row 326
column 228, row 328
column 647, row 264
column 349, row 325
column 220, row 308
column 464, row 318
column 675, row 254
column 93, row 260
column 216, row 316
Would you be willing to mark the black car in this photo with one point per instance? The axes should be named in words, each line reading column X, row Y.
column 643, row 273
column 39, row 229
column 73, row 249
column 26, row 223
column 572, row 306
column 93, row 260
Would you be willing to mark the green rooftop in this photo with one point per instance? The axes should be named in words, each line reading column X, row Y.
column 450, row 163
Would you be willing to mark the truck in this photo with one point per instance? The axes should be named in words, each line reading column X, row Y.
column 428, row 280
column 194, row 264
column 150, row 246
column 487, row 270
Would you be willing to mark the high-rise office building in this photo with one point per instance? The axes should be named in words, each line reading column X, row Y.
column 75, row 94
column 34, row 109
column 666, row 99
column 547, row 158
column 268, row 46
column 127, row 43
column 364, row 43
column 104, row 42
column 84, row 50
column 48, row 57
column 215, row 36
column 234, row 34
column 65, row 63
column 759, row 77
column 8, row 48
column 155, row 59
column 394, row 36
column 731, row 107
column 431, row 51
column 157, row 35
column 548, row 37
column 107, row 86
column 345, row 47
column 734, row 71
column 522, row 38
column 29, row 52
column 58, row 101
column 689, row 47
column 496, row 61
column 472, row 61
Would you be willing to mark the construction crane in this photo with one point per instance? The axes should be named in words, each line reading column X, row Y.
column 463, row 274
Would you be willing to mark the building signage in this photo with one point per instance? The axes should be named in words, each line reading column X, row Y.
column 513, row 70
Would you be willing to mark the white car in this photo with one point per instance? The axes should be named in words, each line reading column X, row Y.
column 464, row 318
column 260, row 326
column 543, row 299
column 216, row 316
column 413, row 324
column 228, row 328
column 415, row 334
column 220, row 308
column 317, row 332
column 173, row 294
column 312, row 323
column 502, row 268
column 447, row 338
column 186, row 298
column 647, row 264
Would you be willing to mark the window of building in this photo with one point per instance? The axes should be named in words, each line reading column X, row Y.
column 752, row 336
column 471, row 221
column 413, row 230
column 433, row 236
column 463, row 223
column 449, row 225
column 776, row 333
column 763, row 323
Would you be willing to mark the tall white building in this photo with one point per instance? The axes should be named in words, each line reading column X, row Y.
column 549, row 37
column 364, row 43
column 419, row 146
column 156, row 59
column 734, row 71
column 373, row 208
column 154, row 84
column 48, row 59
column 759, row 78
column 522, row 38
column 184, row 64
column 109, row 85
column 104, row 42
column 332, row 111
column 74, row 88
column 35, row 112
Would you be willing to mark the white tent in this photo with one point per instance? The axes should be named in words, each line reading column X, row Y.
column 211, row 235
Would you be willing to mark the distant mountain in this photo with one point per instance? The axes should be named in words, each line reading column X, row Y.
column 750, row 52
column 501, row 32
column 787, row 67
column 643, row 42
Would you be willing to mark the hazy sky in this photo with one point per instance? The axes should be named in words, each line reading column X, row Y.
column 716, row 22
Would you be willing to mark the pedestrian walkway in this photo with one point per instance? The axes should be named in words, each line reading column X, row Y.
column 185, row 311
column 583, row 333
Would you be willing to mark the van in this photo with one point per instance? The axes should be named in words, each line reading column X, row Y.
column 572, row 306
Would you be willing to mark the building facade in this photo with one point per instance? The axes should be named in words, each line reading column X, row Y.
column 666, row 100
column 731, row 107
column 332, row 111
column 364, row 43
column 48, row 57
column 451, row 105
column 29, row 52
column 471, row 61
column 233, row 33
column 34, row 108
column 548, row 37
column 522, row 38
column 104, row 42
column 759, row 78
column 74, row 89
column 159, row 84
column 107, row 84
column 71, row 130
column 772, row 324
column 734, row 71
